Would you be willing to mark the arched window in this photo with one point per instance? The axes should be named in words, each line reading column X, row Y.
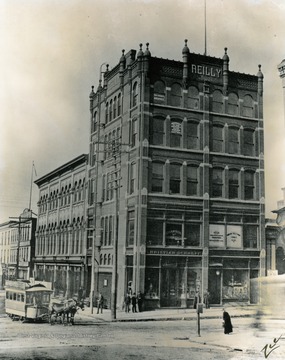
column 176, row 133
column 192, row 180
column 249, row 187
column 233, row 135
column 176, row 95
column 174, row 178
column 159, row 92
column 217, row 104
column 233, row 103
column 233, row 184
column 217, row 138
column 217, row 182
column 193, row 98
column 135, row 94
column 192, row 135
column 157, row 177
column 157, row 131
column 247, row 109
column 109, row 259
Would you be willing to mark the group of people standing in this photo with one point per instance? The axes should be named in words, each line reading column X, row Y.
column 133, row 302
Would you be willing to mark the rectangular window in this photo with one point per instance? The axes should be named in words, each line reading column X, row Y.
column 192, row 181
column 233, row 141
column 217, row 183
column 248, row 186
column 233, row 184
column 157, row 177
column 173, row 234
column 192, row 234
column 176, row 134
column 248, row 142
column 217, row 139
column 174, row 179
column 131, row 228
column 154, row 232
column 110, row 242
column 157, row 132
column 132, row 180
column 192, row 136
column 134, row 133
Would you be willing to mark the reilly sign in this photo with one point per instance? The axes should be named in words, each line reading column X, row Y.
column 206, row 70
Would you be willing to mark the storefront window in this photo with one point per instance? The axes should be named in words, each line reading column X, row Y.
column 152, row 283
column 193, row 283
column 235, row 285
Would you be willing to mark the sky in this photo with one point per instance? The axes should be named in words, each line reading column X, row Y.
column 51, row 53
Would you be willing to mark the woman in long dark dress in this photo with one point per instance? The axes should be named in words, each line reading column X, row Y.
column 228, row 327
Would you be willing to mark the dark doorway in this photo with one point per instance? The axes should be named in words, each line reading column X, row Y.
column 170, row 289
column 215, row 286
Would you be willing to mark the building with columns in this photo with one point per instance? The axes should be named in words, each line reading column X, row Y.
column 61, row 243
column 176, row 179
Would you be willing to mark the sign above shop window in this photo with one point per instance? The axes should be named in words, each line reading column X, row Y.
column 217, row 235
column 234, row 236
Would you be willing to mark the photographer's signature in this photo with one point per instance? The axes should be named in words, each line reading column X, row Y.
column 268, row 348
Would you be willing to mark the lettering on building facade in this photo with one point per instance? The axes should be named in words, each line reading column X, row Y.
column 206, row 70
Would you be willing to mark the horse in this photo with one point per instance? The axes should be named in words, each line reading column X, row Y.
column 72, row 310
column 64, row 311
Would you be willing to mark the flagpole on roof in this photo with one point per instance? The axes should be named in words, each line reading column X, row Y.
column 205, row 20
column 31, row 187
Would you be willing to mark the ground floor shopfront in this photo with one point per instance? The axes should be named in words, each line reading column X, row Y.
column 66, row 279
column 173, row 281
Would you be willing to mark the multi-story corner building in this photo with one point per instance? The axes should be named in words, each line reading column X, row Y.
column 17, row 247
column 177, row 179
column 60, row 252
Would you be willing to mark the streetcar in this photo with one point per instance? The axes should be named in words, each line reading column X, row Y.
column 25, row 300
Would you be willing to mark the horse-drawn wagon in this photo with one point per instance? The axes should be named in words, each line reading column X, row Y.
column 27, row 301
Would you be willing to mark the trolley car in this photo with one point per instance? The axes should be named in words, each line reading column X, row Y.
column 27, row 301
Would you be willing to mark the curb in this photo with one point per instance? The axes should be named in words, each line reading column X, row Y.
column 177, row 318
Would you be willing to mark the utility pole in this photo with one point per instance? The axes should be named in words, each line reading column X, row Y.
column 116, row 154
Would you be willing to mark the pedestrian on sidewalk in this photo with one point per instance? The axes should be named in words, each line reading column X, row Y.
column 140, row 301
column 134, row 303
column 207, row 299
column 80, row 293
column 127, row 302
column 100, row 303
column 197, row 299
column 227, row 323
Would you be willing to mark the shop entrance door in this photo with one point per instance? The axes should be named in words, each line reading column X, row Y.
column 170, row 288
column 215, row 286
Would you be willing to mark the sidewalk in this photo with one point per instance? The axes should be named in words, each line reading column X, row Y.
column 169, row 314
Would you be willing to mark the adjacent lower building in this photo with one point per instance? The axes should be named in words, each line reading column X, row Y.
column 17, row 247
column 61, row 242
column 176, row 179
